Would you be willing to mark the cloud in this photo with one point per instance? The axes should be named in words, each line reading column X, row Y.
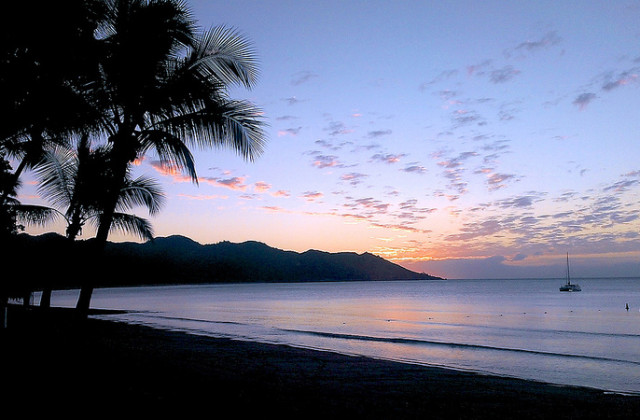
column 169, row 170
column 462, row 117
column 582, row 100
column 477, row 229
column 521, row 201
column 289, row 132
column 286, row 118
column 302, row 77
column 281, row 193
column 503, row 75
column 478, row 69
column 625, row 78
column 292, row 100
column 353, row 178
column 337, row 128
column 443, row 75
column 457, row 161
column 331, row 145
column 275, row 209
column 312, row 196
column 496, row 180
column 369, row 203
column 326, row 161
column 378, row 133
column 261, row 187
column 415, row 168
column 234, row 183
column 387, row 158
column 622, row 186
column 549, row 39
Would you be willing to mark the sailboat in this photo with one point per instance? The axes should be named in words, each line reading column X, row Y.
column 568, row 286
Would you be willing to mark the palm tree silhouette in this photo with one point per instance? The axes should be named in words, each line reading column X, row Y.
column 78, row 180
column 42, row 101
column 162, row 87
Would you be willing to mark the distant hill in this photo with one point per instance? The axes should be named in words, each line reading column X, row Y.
column 177, row 259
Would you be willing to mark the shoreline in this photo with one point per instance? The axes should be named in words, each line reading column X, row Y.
column 54, row 359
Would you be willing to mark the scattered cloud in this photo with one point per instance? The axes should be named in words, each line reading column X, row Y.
column 312, row 196
column 627, row 77
column 292, row 100
column 497, row 180
column 261, row 187
column 622, row 186
column 336, row 128
column 444, row 75
column 387, row 158
column 326, row 161
column 548, row 40
column 584, row 99
column 415, row 168
column 303, row 77
column 478, row 69
column 286, row 118
column 281, row 193
column 464, row 117
column 353, row 178
column 289, row 132
column 503, row 75
column 234, row 183
column 378, row 133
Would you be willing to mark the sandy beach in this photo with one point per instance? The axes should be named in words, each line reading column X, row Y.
column 54, row 363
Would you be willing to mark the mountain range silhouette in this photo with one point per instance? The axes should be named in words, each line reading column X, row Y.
column 180, row 260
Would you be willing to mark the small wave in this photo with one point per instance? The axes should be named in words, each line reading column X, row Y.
column 412, row 341
column 526, row 330
column 177, row 318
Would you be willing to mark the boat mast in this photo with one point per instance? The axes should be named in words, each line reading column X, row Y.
column 568, row 277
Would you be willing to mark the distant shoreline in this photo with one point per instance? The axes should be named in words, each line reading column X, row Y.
column 110, row 365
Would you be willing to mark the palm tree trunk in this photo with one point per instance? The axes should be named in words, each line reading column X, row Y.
column 45, row 299
column 120, row 171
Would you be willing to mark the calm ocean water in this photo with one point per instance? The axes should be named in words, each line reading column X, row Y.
column 519, row 328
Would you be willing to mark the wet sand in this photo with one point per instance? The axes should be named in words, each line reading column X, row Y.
column 55, row 364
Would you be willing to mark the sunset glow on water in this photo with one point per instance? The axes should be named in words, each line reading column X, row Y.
column 521, row 328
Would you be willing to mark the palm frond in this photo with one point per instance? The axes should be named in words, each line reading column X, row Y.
column 171, row 151
column 223, row 54
column 220, row 123
column 132, row 224
column 142, row 191
column 56, row 173
column 35, row 215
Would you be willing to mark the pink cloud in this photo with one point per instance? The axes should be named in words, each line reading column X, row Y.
column 387, row 158
column 275, row 209
column 496, row 181
column 312, row 195
column 325, row 161
column 261, row 187
column 234, row 183
column 281, row 193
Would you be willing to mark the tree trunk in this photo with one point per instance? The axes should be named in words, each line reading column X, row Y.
column 104, row 226
column 84, row 300
column 45, row 300
column 26, row 299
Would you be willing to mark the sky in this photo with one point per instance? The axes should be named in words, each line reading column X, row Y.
column 464, row 139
